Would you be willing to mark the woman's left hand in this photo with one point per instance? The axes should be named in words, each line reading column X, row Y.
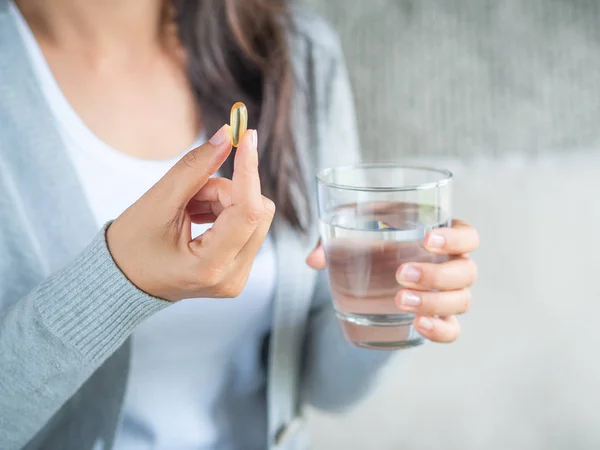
column 436, row 293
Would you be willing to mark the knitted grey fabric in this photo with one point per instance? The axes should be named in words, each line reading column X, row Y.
column 471, row 77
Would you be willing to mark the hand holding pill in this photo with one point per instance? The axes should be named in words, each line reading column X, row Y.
column 151, row 241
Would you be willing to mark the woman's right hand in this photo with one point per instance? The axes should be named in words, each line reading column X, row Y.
column 151, row 241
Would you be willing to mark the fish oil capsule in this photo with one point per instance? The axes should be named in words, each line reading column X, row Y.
column 238, row 122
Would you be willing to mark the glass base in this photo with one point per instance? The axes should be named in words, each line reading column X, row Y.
column 380, row 332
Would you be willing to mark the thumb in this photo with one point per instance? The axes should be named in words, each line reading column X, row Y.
column 191, row 172
column 316, row 259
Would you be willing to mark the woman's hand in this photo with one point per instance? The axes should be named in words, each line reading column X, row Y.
column 436, row 293
column 151, row 241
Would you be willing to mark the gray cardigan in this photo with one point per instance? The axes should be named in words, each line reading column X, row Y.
column 66, row 311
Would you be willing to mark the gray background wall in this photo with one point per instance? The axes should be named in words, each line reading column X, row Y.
column 472, row 77
column 507, row 95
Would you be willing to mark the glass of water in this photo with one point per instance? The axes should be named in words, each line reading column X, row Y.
column 373, row 218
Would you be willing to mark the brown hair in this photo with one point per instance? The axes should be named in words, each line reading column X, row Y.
column 238, row 50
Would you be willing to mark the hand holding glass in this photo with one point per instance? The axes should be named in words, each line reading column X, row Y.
column 373, row 218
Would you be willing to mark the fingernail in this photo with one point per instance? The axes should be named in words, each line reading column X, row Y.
column 425, row 323
column 254, row 139
column 436, row 241
column 410, row 299
column 220, row 136
column 410, row 274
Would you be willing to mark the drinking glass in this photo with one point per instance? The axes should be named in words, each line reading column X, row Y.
column 373, row 218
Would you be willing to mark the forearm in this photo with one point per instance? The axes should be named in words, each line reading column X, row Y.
column 53, row 339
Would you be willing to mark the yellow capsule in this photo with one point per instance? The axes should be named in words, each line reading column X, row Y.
column 238, row 122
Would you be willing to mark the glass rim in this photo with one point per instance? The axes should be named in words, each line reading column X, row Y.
column 446, row 178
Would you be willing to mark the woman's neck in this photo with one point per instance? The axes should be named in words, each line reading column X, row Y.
column 108, row 28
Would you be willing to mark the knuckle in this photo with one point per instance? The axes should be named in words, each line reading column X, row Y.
column 269, row 206
column 233, row 291
column 253, row 215
column 267, row 217
column 232, row 288
column 175, row 219
column 221, row 293
column 212, row 277
column 190, row 159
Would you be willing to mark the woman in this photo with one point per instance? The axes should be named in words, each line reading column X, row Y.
column 98, row 103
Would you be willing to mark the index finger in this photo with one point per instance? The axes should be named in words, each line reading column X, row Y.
column 238, row 222
column 460, row 239
column 245, row 188
column 191, row 172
